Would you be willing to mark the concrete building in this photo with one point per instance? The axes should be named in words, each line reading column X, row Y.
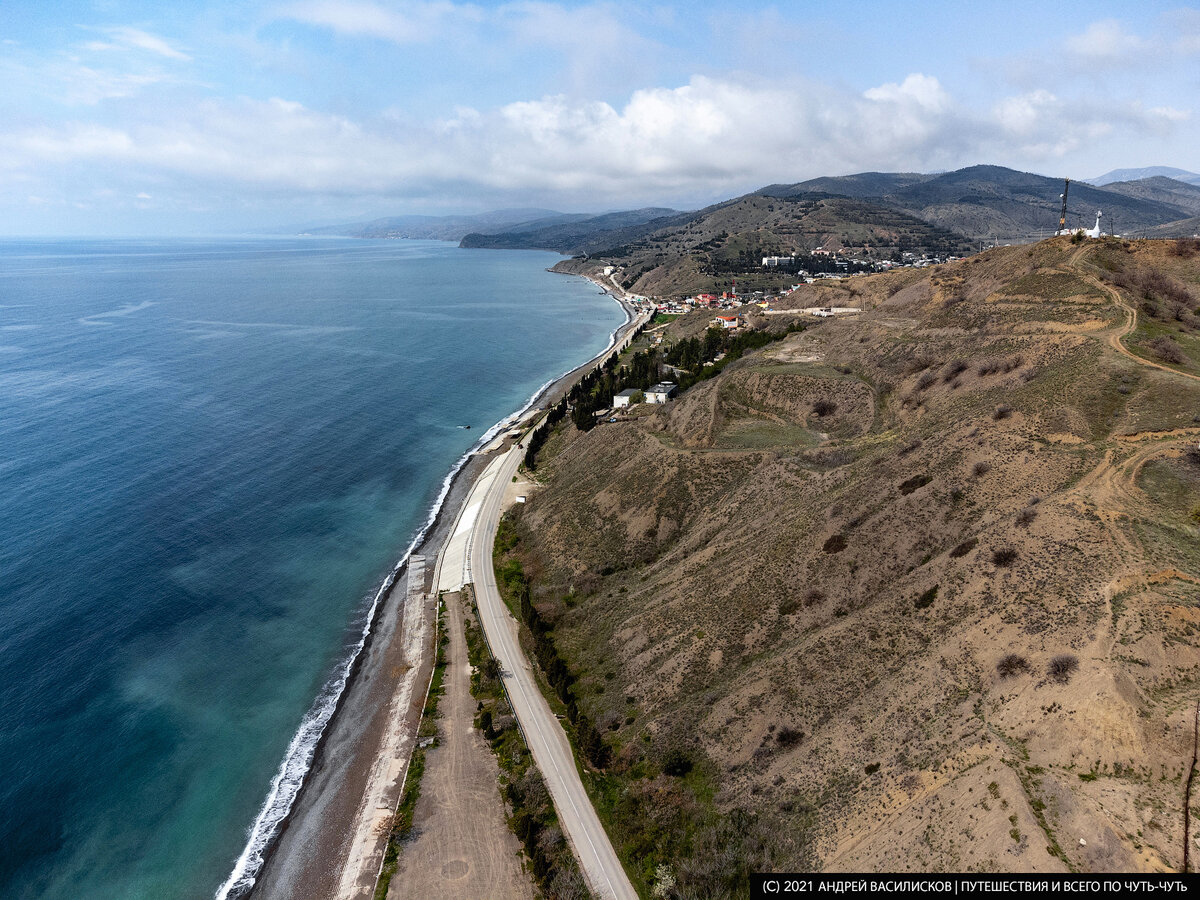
column 624, row 398
column 660, row 393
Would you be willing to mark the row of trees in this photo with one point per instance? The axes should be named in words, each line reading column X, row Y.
column 592, row 392
column 591, row 744
column 697, row 354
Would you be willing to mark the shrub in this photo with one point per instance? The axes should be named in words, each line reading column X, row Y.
column 1185, row 247
column 1012, row 665
column 953, row 370
column 813, row 598
column 964, row 548
column 836, row 544
column 919, row 364
column 490, row 669
column 1026, row 516
column 926, row 599
column 1004, row 557
column 926, row 380
column 676, row 763
column 981, row 468
column 871, row 769
column 824, row 407
column 1167, row 350
column 1062, row 666
column 917, row 481
column 1003, row 411
column 788, row 736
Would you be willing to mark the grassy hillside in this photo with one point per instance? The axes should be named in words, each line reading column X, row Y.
column 706, row 251
column 916, row 590
column 995, row 203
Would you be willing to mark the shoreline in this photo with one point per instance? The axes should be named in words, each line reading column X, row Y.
column 286, row 803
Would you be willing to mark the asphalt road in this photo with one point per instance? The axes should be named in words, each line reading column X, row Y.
column 543, row 732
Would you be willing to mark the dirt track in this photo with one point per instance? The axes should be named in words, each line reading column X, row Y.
column 462, row 846
column 1114, row 339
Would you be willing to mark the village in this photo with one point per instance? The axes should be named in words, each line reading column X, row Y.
column 730, row 300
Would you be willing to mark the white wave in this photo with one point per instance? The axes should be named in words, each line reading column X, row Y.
column 127, row 310
column 297, row 761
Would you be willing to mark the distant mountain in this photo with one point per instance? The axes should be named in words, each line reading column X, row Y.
column 862, row 186
column 569, row 234
column 994, row 203
column 441, row 228
column 1180, row 194
column 1149, row 172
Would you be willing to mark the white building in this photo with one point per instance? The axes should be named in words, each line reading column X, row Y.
column 624, row 398
column 660, row 393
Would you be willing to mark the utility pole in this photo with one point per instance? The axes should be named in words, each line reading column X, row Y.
column 1062, row 219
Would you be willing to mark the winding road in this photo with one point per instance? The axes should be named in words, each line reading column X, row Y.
column 543, row 732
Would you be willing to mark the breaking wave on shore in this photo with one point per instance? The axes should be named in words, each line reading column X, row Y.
column 301, row 751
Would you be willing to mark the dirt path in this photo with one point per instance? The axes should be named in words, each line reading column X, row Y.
column 1110, row 490
column 462, row 846
column 1114, row 339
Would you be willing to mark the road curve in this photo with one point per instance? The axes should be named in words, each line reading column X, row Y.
column 543, row 732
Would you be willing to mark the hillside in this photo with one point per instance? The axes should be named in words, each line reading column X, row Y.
column 995, row 203
column 1183, row 196
column 440, row 228
column 569, row 234
column 706, row 250
column 1147, row 172
column 911, row 590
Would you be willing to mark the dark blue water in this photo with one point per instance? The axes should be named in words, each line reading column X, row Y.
column 211, row 454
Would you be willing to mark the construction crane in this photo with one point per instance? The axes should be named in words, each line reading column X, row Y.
column 1062, row 219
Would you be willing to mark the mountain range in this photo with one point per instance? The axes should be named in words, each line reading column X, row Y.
column 662, row 250
column 1148, row 172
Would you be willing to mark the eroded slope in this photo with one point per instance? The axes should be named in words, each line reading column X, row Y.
column 913, row 590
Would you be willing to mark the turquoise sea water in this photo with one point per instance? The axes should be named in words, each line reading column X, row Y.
column 211, row 454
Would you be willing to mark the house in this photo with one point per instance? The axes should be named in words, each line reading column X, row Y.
column 660, row 393
column 624, row 398
column 727, row 321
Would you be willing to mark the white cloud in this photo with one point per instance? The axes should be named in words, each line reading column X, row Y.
column 415, row 22
column 917, row 90
column 1024, row 114
column 142, row 40
column 709, row 137
column 1106, row 41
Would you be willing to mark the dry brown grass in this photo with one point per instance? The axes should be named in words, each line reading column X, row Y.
column 755, row 588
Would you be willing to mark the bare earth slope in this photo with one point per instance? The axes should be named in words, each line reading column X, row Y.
column 951, row 622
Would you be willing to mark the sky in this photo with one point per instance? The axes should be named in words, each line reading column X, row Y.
column 195, row 117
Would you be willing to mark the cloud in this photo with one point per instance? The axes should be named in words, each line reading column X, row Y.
column 710, row 137
column 1106, row 41
column 417, row 22
column 135, row 38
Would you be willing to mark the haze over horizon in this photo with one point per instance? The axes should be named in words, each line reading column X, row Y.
column 126, row 117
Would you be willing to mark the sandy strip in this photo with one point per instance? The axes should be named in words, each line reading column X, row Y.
column 386, row 779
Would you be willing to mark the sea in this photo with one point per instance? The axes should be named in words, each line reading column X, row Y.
column 213, row 452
